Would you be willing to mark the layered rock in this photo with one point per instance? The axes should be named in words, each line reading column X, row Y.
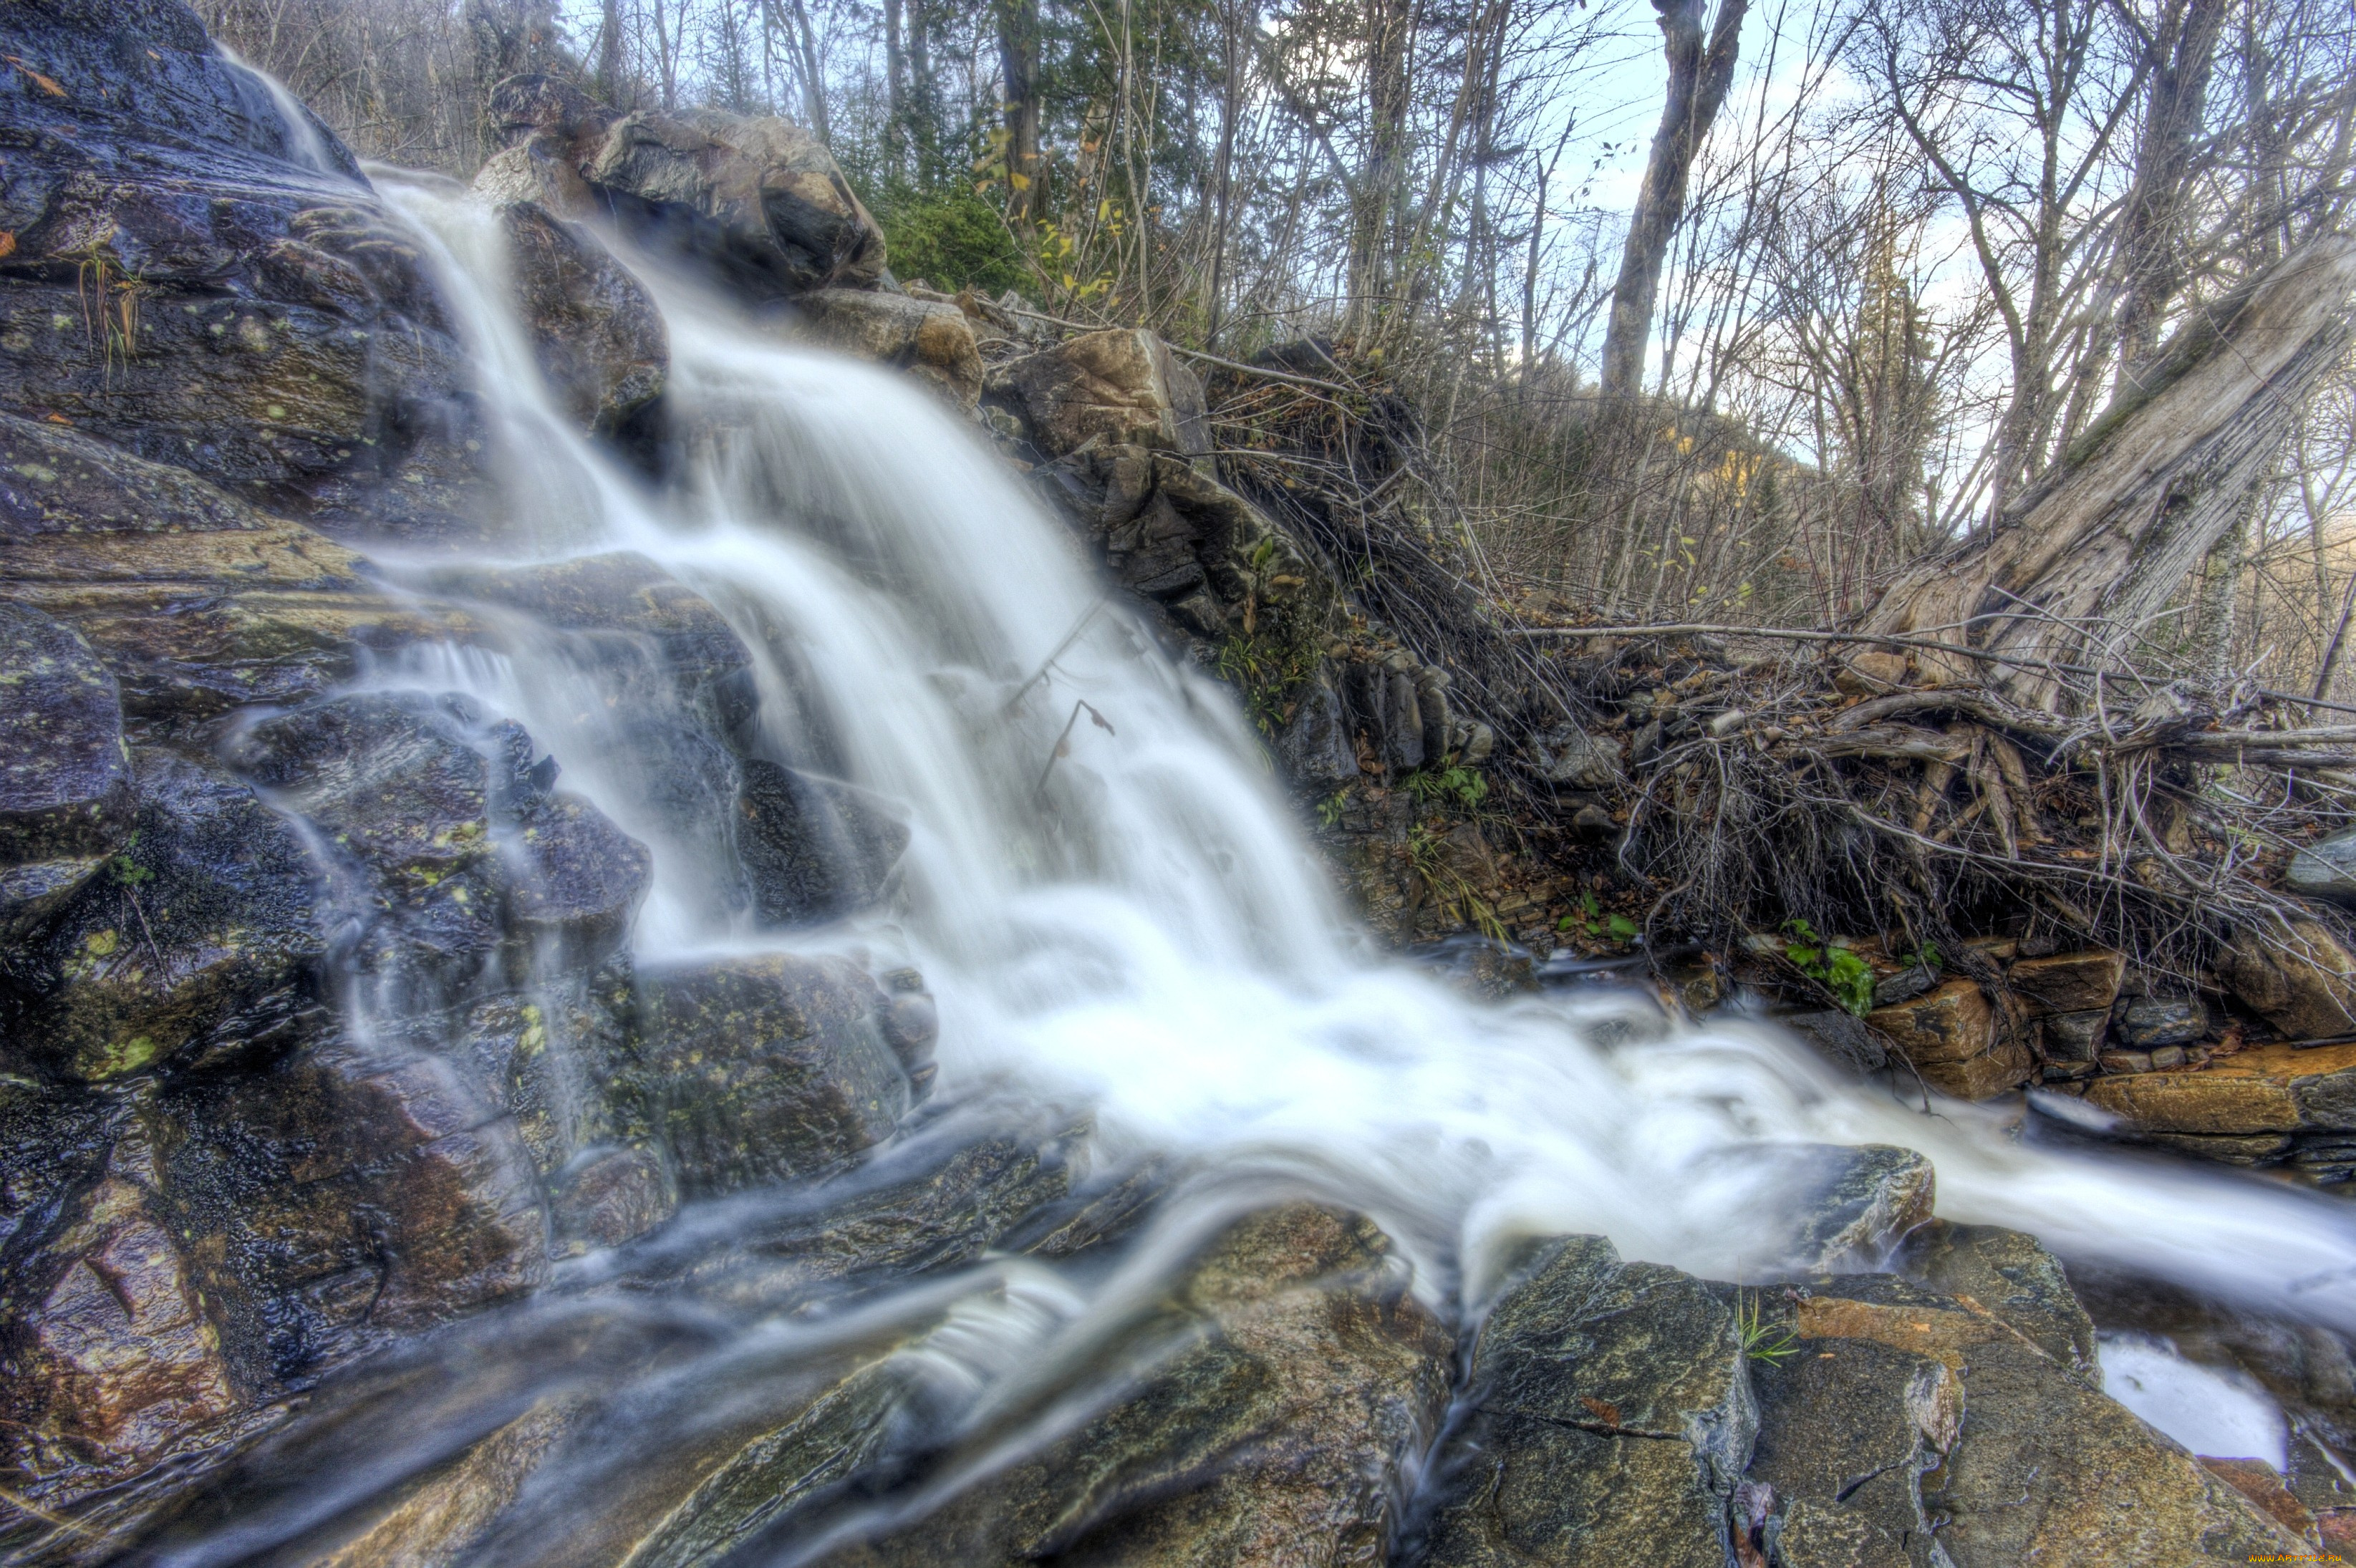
column 199, row 280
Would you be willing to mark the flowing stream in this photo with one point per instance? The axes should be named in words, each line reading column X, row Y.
column 1137, row 929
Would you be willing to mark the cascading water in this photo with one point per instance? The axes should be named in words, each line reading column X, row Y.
column 1104, row 891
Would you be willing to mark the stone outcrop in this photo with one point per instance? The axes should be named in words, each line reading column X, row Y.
column 754, row 201
column 196, row 279
column 929, row 340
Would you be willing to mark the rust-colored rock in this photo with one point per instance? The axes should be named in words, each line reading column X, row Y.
column 932, row 342
column 2266, row 1089
column 2067, row 982
column 2294, row 973
column 1950, row 1036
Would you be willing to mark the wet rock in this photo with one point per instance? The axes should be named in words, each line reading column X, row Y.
column 1610, row 1415
column 2013, row 1277
column 2046, row 1468
column 756, row 201
column 2325, row 869
column 206, row 282
column 357, row 1191
column 1904, row 985
column 200, row 942
column 1950, row 1037
column 2265, row 1089
column 1116, row 387
column 451, row 861
column 2296, row 974
column 110, row 1349
column 1301, row 1378
column 65, row 772
column 1851, row 1205
column 2067, row 982
column 763, row 1069
column 197, row 601
column 610, row 1195
column 815, row 849
column 930, row 341
column 1847, row 1429
column 620, row 597
column 2150, row 1023
column 911, row 1023
column 597, row 334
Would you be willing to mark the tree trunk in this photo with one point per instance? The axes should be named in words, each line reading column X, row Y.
column 1018, row 63
column 2081, row 559
column 1378, row 188
column 1698, row 80
column 609, row 53
column 2152, row 228
column 895, row 88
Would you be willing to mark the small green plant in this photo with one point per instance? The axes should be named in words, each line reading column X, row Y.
column 1762, row 1341
column 126, row 871
column 1924, row 955
column 1454, row 783
column 1589, row 921
column 1427, row 853
column 1848, row 977
column 1330, row 809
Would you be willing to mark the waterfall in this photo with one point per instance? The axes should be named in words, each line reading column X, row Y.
column 1105, row 892
column 1136, row 927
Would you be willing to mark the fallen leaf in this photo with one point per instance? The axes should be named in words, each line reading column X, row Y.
column 1602, row 1409
column 45, row 83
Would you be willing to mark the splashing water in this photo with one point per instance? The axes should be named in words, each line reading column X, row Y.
column 1138, row 927
column 307, row 146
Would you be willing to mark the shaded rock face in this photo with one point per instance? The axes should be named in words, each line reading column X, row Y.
column 2296, row 974
column 452, row 858
column 201, row 939
column 1609, row 1415
column 1846, row 1428
column 756, row 201
column 65, row 774
column 1297, row 1380
column 595, row 329
column 763, row 1069
column 182, row 284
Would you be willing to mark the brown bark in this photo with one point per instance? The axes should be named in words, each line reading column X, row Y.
column 1699, row 75
column 2080, row 560
column 1018, row 64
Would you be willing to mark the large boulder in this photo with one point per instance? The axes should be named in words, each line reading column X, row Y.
column 198, row 277
column 2046, row 1467
column 454, row 864
column 2263, row 1089
column 1847, row 1429
column 2295, row 973
column 755, row 201
column 1610, row 1416
column 1122, row 387
column 202, row 940
column 596, row 332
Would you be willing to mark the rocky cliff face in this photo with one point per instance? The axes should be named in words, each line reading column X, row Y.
column 365, row 1199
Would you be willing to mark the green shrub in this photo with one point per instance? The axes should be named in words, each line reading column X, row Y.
column 951, row 239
